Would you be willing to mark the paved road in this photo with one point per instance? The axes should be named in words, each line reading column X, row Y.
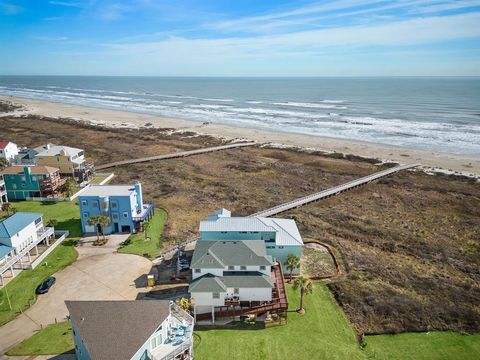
column 174, row 155
column 99, row 274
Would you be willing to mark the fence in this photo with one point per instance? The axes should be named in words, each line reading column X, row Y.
column 63, row 234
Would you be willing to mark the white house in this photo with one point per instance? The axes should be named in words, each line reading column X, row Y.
column 230, row 273
column 3, row 191
column 131, row 330
column 8, row 150
column 20, row 234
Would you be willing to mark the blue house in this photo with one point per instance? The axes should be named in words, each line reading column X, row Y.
column 130, row 330
column 281, row 236
column 122, row 204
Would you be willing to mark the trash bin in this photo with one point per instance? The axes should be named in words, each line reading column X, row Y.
column 150, row 280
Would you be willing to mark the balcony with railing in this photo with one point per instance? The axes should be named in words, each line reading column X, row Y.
column 146, row 211
column 179, row 344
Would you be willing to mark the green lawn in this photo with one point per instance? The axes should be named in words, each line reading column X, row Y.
column 324, row 333
column 66, row 213
column 54, row 339
column 98, row 179
column 21, row 289
column 433, row 345
column 136, row 243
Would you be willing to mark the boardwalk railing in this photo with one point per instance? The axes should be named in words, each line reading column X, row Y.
column 332, row 191
column 175, row 155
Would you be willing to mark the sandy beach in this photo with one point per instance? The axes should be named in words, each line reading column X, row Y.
column 430, row 160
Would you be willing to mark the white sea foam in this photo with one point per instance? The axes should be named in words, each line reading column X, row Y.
column 309, row 105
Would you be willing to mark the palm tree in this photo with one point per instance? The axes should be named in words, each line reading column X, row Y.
column 99, row 221
column 306, row 287
column 52, row 223
column 292, row 263
column 184, row 304
column 7, row 207
column 146, row 226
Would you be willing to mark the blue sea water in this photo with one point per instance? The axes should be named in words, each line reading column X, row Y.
column 440, row 114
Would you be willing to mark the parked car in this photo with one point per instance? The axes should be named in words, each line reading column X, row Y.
column 46, row 285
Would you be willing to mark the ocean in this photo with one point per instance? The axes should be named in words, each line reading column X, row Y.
column 439, row 114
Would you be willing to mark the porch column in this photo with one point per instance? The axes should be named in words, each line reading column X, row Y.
column 36, row 250
column 29, row 256
column 213, row 314
column 11, row 271
column 1, row 279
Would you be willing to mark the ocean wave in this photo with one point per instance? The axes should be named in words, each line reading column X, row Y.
column 254, row 102
column 309, row 105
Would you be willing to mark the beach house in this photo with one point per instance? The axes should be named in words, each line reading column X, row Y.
column 131, row 330
column 122, row 204
column 71, row 161
column 3, row 191
column 8, row 150
column 232, row 276
column 20, row 234
column 281, row 236
column 23, row 182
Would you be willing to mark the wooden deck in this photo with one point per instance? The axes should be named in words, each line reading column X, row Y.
column 279, row 302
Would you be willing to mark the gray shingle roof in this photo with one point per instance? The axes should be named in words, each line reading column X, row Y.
column 115, row 330
column 211, row 283
column 219, row 254
column 207, row 283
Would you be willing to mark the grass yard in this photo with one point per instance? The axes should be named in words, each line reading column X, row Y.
column 427, row 346
column 324, row 333
column 136, row 243
column 54, row 339
column 98, row 179
column 66, row 213
column 21, row 289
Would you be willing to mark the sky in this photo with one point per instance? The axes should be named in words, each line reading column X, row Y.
column 240, row 38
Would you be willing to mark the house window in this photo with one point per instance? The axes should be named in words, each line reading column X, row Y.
column 231, row 267
column 23, row 178
column 270, row 247
column 114, row 205
column 223, row 232
column 262, row 267
column 243, row 232
column 85, row 215
column 14, row 186
column 198, row 271
column 125, row 214
column 84, row 202
column 154, row 342
column 243, row 267
column 280, row 247
column 115, row 216
column 236, row 291
column 216, row 295
column 95, row 204
column 34, row 178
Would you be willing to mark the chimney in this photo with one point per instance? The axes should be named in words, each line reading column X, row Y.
column 138, row 190
column 27, row 172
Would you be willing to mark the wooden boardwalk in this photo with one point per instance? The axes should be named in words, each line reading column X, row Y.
column 308, row 199
column 332, row 191
column 174, row 155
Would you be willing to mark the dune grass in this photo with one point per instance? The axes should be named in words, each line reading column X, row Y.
column 53, row 339
column 136, row 243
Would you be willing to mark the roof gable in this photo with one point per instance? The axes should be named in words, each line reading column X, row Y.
column 17, row 222
column 116, row 330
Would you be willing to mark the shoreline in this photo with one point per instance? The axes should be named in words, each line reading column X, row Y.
column 430, row 160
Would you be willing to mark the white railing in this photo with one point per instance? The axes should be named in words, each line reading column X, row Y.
column 186, row 345
column 16, row 258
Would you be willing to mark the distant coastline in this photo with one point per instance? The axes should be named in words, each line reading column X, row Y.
column 432, row 161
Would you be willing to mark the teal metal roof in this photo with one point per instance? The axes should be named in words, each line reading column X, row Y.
column 218, row 254
column 18, row 221
column 4, row 250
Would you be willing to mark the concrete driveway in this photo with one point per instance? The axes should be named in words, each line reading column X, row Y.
column 100, row 273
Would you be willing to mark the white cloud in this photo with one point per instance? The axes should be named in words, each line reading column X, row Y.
column 68, row 4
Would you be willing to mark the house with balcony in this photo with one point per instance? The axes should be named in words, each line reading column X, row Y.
column 8, row 150
column 122, row 204
column 23, row 182
column 71, row 161
column 131, row 330
column 3, row 191
column 281, row 236
column 20, row 237
column 235, row 278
